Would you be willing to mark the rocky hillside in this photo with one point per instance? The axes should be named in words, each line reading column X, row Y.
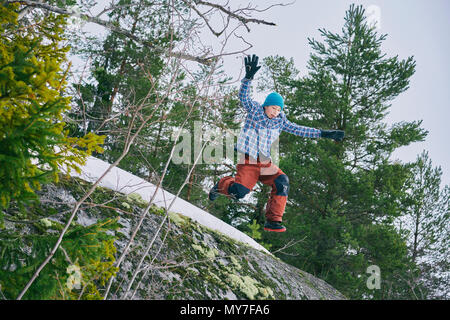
column 186, row 260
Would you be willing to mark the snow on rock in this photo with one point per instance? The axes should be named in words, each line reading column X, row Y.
column 124, row 182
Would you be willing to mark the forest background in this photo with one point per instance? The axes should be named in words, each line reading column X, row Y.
column 123, row 94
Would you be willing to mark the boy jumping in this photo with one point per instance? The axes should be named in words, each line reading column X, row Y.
column 262, row 127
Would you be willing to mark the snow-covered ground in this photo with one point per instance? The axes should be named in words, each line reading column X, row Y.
column 124, row 182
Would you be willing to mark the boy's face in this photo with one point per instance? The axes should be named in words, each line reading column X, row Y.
column 272, row 111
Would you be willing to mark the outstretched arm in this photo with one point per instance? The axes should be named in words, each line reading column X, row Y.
column 300, row 130
column 336, row 135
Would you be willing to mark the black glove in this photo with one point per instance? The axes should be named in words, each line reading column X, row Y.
column 336, row 135
column 251, row 66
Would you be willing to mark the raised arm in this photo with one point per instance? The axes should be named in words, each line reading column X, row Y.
column 245, row 96
column 251, row 67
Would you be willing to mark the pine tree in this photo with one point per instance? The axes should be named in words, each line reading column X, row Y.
column 345, row 196
column 34, row 142
column 426, row 221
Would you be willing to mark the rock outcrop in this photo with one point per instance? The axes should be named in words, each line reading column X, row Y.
column 186, row 260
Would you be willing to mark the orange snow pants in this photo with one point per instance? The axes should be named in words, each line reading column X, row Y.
column 248, row 174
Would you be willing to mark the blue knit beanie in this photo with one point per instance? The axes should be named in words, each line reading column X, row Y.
column 274, row 99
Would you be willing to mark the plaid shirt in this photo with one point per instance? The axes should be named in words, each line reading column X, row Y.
column 259, row 131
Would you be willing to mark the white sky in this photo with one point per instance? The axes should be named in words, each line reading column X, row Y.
column 416, row 28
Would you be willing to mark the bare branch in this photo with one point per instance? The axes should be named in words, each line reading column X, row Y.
column 234, row 15
column 288, row 245
column 114, row 28
column 203, row 16
column 206, row 60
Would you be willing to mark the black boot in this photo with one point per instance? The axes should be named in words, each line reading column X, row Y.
column 214, row 192
column 274, row 226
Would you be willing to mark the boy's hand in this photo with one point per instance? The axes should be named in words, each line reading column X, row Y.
column 251, row 66
column 336, row 135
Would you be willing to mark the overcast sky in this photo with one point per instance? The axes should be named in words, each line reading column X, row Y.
column 416, row 28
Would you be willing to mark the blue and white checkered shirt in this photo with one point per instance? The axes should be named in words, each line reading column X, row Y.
column 259, row 131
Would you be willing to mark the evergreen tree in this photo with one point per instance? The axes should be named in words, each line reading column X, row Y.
column 345, row 196
column 34, row 142
column 426, row 221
